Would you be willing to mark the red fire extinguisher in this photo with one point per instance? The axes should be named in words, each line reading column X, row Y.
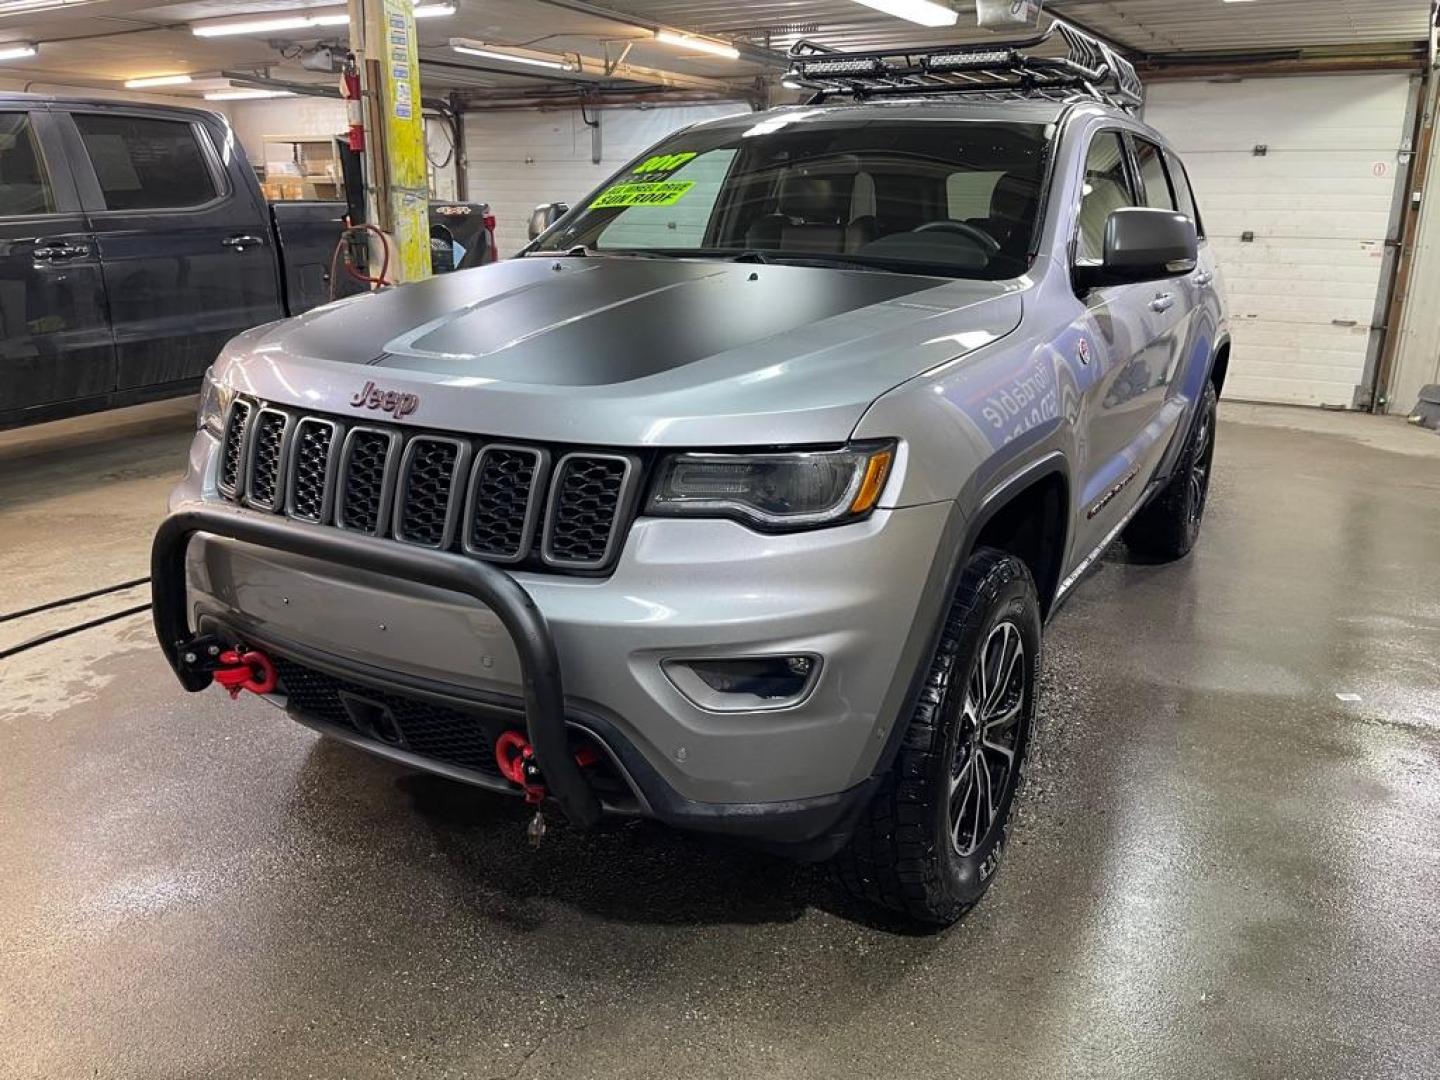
column 354, row 108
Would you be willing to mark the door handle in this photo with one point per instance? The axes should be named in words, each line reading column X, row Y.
column 241, row 242
column 51, row 252
column 1163, row 302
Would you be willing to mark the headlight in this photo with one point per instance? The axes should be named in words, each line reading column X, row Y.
column 774, row 492
column 215, row 401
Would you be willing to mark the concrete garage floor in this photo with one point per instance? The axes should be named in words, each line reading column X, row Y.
column 1222, row 868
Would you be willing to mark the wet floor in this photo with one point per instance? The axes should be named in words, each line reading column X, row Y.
column 1227, row 861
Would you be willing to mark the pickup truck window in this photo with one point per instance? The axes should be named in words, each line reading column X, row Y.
column 146, row 164
column 1107, row 189
column 24, row 187
column 833, row 192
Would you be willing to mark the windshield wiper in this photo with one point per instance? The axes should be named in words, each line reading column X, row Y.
column 580, row 251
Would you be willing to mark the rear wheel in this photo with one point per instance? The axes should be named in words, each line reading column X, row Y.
column 1170, row 525
column 930, row 842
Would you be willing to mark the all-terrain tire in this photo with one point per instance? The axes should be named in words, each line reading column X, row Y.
column 904, row 855
column 1170, row 525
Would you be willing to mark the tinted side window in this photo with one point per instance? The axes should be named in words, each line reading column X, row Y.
column 1107, row 189
column 24, row 187
column 1152, row 176
column 146, row 164
column 1184, row 196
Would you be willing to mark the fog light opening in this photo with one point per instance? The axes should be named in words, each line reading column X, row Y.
column 745, row 683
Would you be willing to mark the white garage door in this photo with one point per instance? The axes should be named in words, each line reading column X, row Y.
column 519, row 159
column 1319, row 204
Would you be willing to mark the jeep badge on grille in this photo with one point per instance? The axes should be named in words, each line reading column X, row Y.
column 391, row 401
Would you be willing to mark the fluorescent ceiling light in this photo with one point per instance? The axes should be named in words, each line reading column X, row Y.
column 698, row 44
column 246, row 95
column 924, row 12
column 279, row 21
column 16, row 7
column 266, row 24
column 156, row 80
column 16, row 50
column 505, row 54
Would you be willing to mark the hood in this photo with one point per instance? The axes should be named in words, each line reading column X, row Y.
column 626, row 351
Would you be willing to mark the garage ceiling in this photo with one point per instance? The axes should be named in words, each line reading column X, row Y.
column 1143, row 25
column 100, row 43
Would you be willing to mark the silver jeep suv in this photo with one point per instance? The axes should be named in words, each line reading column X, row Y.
column 739, row 499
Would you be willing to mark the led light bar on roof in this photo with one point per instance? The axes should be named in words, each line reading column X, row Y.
column 960, row 61
column 824, row 68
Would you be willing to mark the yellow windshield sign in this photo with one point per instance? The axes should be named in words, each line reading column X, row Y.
column 665, row 193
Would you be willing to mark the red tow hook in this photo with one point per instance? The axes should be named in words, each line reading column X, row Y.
column 515, row 758
column 251, row 671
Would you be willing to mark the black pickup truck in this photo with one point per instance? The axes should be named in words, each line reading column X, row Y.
column 135, row 241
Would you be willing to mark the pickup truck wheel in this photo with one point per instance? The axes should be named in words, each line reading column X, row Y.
column 1170, row 525
column 931, row 840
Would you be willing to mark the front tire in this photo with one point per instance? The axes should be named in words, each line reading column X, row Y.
column 1168, row 528
column 931, row 840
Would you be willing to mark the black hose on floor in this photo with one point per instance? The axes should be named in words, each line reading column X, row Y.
column 50, row 605
column 55, row 635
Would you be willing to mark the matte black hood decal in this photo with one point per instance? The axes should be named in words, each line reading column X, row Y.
column 616, row 320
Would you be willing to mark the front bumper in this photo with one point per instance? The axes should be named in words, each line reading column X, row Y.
column 858, row 596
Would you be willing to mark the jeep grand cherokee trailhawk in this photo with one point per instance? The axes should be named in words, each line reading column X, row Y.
column 738, row 500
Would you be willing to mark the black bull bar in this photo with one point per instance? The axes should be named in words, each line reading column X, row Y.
column 487, row 584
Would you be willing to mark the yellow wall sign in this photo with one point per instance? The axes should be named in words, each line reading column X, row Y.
column 667, row 193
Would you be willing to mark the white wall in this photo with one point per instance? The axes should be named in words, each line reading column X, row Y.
column 521, row 158
column 1303, row 294
column 255, row 120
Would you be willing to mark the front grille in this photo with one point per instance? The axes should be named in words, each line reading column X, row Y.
column 502, row 504
column 464, row 740
column 584, row 509
column 538, row 507
column 232, row 457
column 365, row 479
column 430, row 730
column 315, row 452
column 267, row 448
column 429, row 479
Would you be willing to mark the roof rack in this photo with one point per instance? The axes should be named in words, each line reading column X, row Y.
column 1003, row 71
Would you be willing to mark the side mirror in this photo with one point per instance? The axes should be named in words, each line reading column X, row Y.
column 1143, row 244
column 545, row 215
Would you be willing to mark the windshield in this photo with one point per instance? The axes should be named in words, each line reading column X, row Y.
column 953, row 197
